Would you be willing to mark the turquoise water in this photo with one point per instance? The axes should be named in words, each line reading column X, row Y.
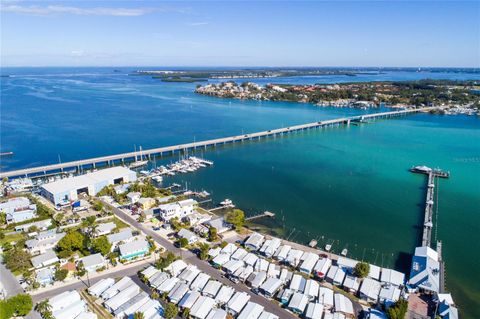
column 347, row 186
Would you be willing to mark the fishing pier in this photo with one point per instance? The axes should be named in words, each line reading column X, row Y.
column 121, row 159
column 260, row 215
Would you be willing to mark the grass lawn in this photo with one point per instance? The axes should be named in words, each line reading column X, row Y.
column 12, row 238
column 120, row 224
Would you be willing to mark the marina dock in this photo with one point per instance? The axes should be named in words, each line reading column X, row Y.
column 122, row 159
column 260, row 215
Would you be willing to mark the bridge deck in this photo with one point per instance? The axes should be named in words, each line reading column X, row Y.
column 110, row 159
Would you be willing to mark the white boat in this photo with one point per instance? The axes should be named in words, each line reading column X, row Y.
column 344, row 252
column 227, row 202
column 137, row 164
column 328, row 247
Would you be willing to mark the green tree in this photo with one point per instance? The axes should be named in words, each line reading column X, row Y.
column 186, row 313
column 32, row 229
column 138, row 315
column 19, row 305
column 236, row 217
column 2, row 235
column 203, row 251
column 17, row 259
column 182, row 242
column 164, row 261
column 97, row 205
column 61, row 274
column 398, row 310
column 44, row 308
column 155, row 294
column 361, row 269
column 171, row 311
column 72, row 241
column 212, row 234
column 3, row 218
column 101, row 245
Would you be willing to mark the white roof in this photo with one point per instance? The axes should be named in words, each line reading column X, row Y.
column 47, row 258
column 258, row 279
column 73, row 310
column 217, row 314
column 202, row 307
column 271, row 285
column 282, row 252
column 168, row 284
column 149, row 271
column 158, row 279
column 267, row 315
column 343, row 304
column 298, row 283
column 351, row 282
column 189, row 274
column 389, row 293
column 311, row 288
column 314, row 311
column 185, row 233
column 294, row 257
column 228, row 249
column 346, row 262
column 92, row 260
column 105, row 227
column 133, row 247
column 322, row 266
column 261, row 265
column 63, row 300
column 176, row 267
column 251, row 311
column 232, row 265
column 98, row 288
column 221, row 259
column 250, row 259
column 76, row 182
column 238, row 301
column 189, row 299
column 176, row 294
column 393, row 277
column 309, row 262
column 325, row 296
column 214, row 252
column 122, row 297
column 122, row 235
column 299, row 302
column 255, row 241
column 239, row 254
column 211, row 288
column 224, row 295
column 120, row 285
column 200, row 282
column 370, row 288
column 374, row 272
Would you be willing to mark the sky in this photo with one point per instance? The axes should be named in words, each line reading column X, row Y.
column 244, row 33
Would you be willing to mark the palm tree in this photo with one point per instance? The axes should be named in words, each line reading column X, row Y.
column 44, row 307
column 138, row 315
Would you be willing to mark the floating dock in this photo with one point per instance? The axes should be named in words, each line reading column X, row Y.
column 122, row 159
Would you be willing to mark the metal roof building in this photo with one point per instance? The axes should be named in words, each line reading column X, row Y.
column 425, row 271
column 189, row 299
column 98, row 288
column 370, row 289
column 237, row 302
column 310, row 259
column 211, row 289
column 254, row 242
column 67, row 189
column 45, row 259
column 314, row 311
column 217, row 314
column 343, row 305
column 282, row 252
column 224, row 295
column 202, row 307
column 393, row 277
column 298, row 303
column 270, row 287
column 200, row 282
column 251, row 311
column 177, row 293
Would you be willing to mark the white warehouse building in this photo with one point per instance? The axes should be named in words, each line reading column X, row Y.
column 65, row 190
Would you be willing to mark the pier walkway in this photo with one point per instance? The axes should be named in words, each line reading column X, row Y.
column 119, row 159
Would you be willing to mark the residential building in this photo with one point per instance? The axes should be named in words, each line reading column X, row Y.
column 178, row 209
column 219, row 224
column 123, row 236
column 298, row 303
column 93, row 262
column 104, row 229
column 188, row 235
column 369, row 290
column 254, row 242
column 18, row 209
column 44, row 241
column 134, row 249
column 133, row 197
column 45, row 259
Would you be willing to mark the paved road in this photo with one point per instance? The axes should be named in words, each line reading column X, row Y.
column 9, row 282
column 204, row 266
column 132, row 271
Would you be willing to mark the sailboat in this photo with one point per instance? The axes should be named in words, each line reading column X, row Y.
column 138, row 163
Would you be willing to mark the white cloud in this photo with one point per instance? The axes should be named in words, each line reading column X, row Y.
column 59, row 9
column 196, row 24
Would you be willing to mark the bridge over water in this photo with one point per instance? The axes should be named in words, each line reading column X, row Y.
column 123, row 158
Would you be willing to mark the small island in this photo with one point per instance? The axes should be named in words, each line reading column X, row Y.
column 457, row 97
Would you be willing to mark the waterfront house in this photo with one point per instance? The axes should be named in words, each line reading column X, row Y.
column 298, row 303
column 104, row 229
column 202, row 307
column 45, row 259
column 188, row 235
column 374, row 272
column 134, row 249
column 344, row 305
column 392, row 277
column 294, row 257
column 180, row 209
column 308, row 263
column 314, row 311
column 219, row 224
column 93, row 262
column 346, row 264
column 269, row 247
column 425, row 270
column 369, row 290
column 282, row 253
column 197, row 219
column 325, row 297
column 44, row 241
column 254, row 241
column 251, row 311
column 133, row 197
column 235, row 305
column 321, row 267
column 65, row 190
column 124, row 236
